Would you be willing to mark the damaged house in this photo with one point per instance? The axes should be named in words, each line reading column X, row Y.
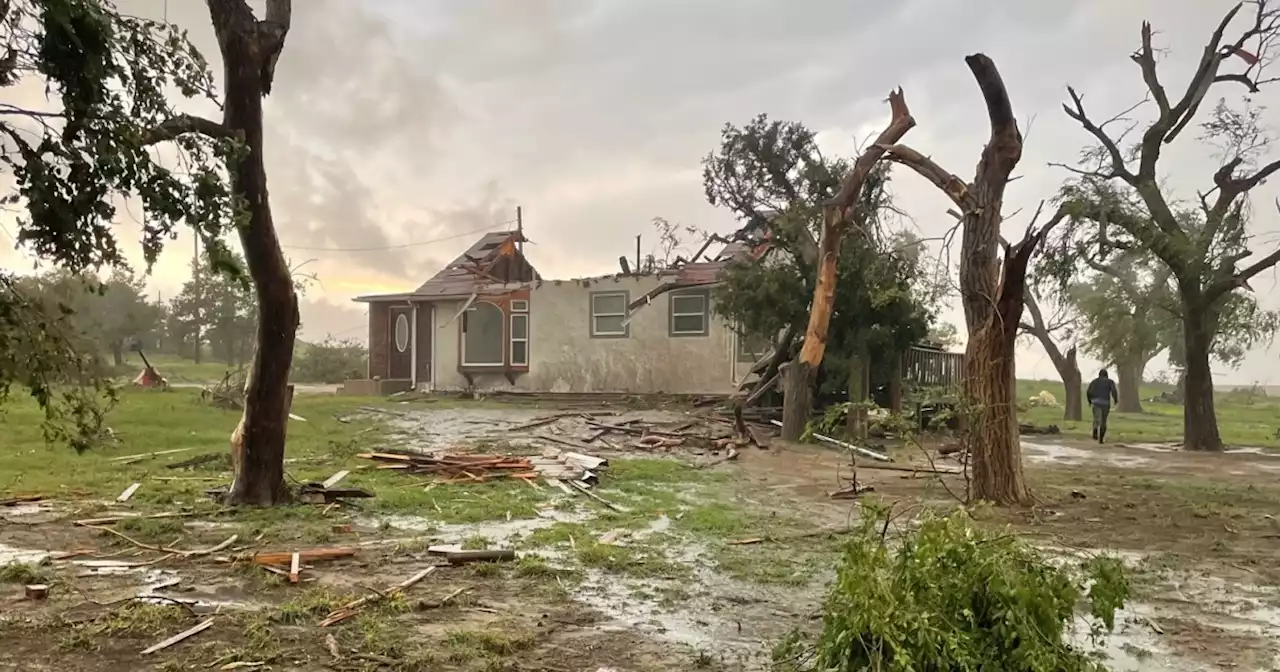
column 489, row 321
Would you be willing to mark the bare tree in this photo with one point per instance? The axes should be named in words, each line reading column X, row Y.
column 846, row 210
column 1044, row 330
column 1203, row 252
column 993, row 299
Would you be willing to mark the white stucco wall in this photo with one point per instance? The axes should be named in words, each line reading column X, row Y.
column 565, row 357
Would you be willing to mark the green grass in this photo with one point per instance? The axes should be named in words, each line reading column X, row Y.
column 180, row 370
column 1243, row 419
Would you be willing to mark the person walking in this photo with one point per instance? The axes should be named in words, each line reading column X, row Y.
column 1100, row 393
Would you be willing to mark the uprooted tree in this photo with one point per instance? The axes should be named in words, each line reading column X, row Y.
column 773, row 176
column 1203, row 252
column 993, row 300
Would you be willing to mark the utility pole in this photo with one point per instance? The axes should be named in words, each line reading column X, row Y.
column 638, row 254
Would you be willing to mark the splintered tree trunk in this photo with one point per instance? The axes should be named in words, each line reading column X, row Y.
column 117, row 353
column 797, row 400
column 838, row 216
column 248, row 61
column 1199, row 419
column 859, row 378
column 1129, row 386
column 1071, row 381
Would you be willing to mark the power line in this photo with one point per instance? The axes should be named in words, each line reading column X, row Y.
column 398, row 247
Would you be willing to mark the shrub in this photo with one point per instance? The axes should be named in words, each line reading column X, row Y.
column 329, row 361
column 950, row 597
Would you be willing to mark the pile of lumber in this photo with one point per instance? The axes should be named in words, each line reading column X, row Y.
column 456, row 468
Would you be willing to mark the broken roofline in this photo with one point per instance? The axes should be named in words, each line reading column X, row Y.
column 468, row 275
column 496, row 289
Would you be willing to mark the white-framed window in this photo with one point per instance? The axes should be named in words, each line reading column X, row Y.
column 519, row 306
column 519, row 339
column 689, row 313
column 482, row 335
column 609, row 315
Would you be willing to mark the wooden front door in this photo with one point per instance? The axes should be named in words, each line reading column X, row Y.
column 400, row 333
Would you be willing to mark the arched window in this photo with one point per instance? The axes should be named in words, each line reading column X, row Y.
column 482, row 337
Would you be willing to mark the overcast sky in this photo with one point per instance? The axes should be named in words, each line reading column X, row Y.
column 397, row 122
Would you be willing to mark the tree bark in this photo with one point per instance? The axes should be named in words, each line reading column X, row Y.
column 249, row 51
column 992, row 304
column 1129, row 385
column 1199, row 418
column 1072, row 383
column 838, row 216
column 797, row 400
column 859, row 381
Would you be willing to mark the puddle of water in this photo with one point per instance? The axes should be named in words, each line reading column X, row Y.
column 12, row 554
column 498, row 533
column 1054, row 452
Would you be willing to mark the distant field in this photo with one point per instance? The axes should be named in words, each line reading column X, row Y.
column 1244, row 419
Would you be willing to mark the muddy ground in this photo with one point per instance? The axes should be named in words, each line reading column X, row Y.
column 662, row 584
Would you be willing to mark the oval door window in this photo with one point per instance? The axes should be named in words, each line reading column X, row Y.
column 402, row 332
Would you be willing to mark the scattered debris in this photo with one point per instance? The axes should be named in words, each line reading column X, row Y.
column 130, row 459
column 149, row 378
column 108, row 520
column 204, row 625
column 912, row 468
column 334, row 479
column 456, row 468
column 227, row 393
column 460, row 557
column 201, row 460
column 825, row 532
column 295, row 566
column 1032, row 428
column 352, row 608
column 37, row 591
column 442, row 602
column 128, row 492
column 731, row 454
column 581, row 487
column 332, row 644
column 316, row 493
column 285, row 557
column 14, row 501
column 847, row 446
column 850, row 491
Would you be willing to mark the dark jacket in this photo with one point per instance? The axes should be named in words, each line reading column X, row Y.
column 1101, row 392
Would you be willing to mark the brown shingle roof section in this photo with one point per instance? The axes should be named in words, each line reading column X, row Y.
column 492, row 258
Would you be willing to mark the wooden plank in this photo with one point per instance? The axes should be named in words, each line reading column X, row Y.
column 205, row 625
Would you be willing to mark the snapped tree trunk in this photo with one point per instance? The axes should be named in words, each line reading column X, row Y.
column 837, row 217
column 859, row 381
column 1129, row 385
column 797, row 400
column 117, row 353
column 1072, row 383
column 1199, row 419
column 249, row 51
column 992, row 304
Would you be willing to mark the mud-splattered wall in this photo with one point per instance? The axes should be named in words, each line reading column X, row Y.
column 565, row 356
